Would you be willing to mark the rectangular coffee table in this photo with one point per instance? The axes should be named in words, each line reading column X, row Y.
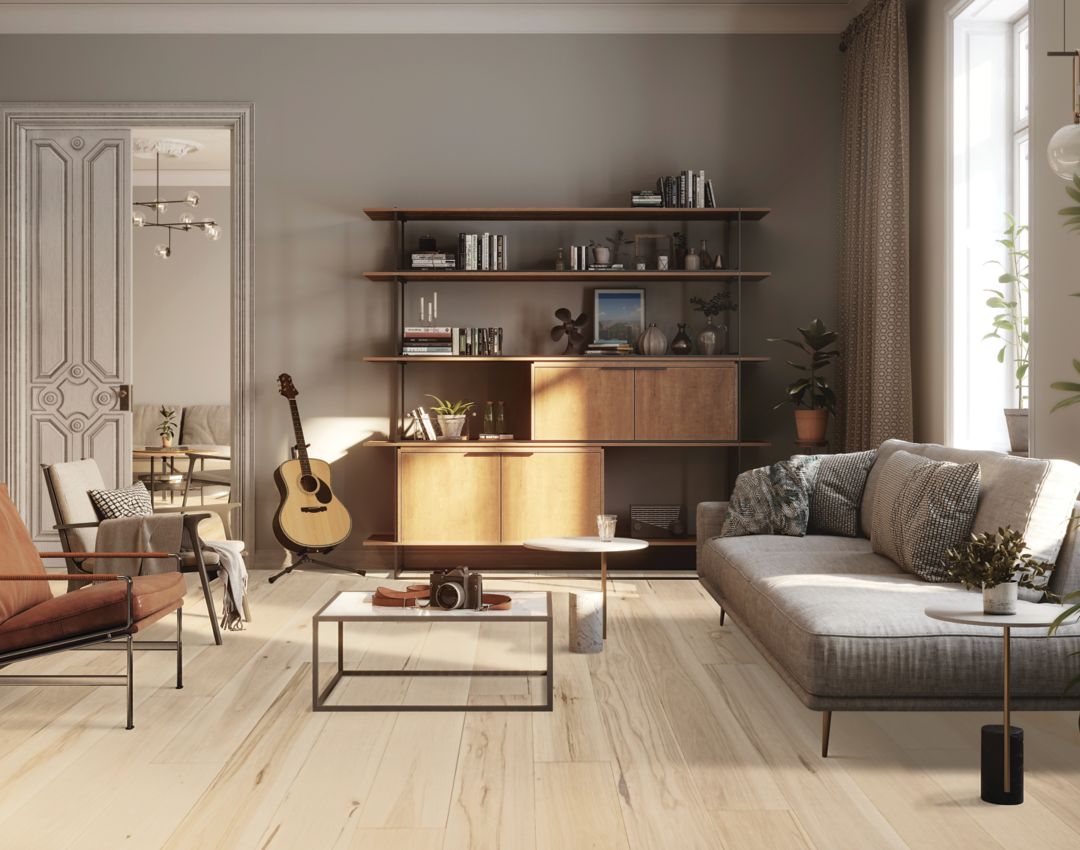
column 355, row 607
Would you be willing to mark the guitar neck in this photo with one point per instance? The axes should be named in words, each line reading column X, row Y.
column 301, row 443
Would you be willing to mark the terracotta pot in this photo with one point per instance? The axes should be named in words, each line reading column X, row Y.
column 1017, row 420
column 810, row 425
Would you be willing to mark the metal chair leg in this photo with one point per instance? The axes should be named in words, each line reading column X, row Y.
column 130, row 683
column 721, row 616
column 826, row 728
column 205, row 579
column 179, row 648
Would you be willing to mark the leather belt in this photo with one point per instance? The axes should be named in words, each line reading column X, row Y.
column 389, row 597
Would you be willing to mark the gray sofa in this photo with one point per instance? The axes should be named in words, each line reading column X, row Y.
column 845, row 628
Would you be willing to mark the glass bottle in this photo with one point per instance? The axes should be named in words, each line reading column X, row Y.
column 500, row 418
column 706, row 257
column 489, row 418
column 560, row 263
column 693, row 261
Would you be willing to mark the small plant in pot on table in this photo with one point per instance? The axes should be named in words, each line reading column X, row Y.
column 451, row 415
column 998, row 563
column 812, row 395
column 167, row 428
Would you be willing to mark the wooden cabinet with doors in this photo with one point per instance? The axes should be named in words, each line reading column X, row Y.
column 551, row 493
column 582, row 402
column 686, row 402
column 446, row 496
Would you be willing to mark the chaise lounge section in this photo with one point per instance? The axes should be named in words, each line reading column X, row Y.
column 845, row 628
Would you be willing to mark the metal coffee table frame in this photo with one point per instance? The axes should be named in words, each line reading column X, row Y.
column 319, row 697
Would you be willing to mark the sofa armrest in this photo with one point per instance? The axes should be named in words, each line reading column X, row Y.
column 710, row 520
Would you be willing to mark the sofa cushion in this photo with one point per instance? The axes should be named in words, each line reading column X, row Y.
column 772, row 499
column 923, row 508
column 838, row 490
column 18, row 556
column 206, row 425
column 1030, row 495
column 94, row 608
column 72, row 482
column 1065, row 578
column 127, row 502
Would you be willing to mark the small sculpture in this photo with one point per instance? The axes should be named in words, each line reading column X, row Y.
column 571, row 328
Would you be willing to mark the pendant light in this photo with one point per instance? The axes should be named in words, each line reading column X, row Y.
column 1063, row 152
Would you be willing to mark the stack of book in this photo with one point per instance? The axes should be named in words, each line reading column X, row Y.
column 687, row 190
column 446, row 342
column 434, row 260
column 646, row 198
column 482, row 252
column 609, row 347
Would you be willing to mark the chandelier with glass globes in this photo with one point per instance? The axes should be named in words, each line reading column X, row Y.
column 186, row 222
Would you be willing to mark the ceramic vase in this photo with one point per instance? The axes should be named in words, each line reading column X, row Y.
column 708, row 338
column 681, row 344
column 1017, row 420
column 601, row 254
column 451, row 426
column 653, row 341
column 692, row 263
column 1001, row 598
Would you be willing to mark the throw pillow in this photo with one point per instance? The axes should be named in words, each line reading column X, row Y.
column 772, row 499
column 130, row 501
column 922, row 508
column 834, row 504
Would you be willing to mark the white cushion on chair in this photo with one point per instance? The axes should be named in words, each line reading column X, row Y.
column 72, row 482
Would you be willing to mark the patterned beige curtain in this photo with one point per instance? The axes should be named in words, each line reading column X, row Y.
column 875, row 374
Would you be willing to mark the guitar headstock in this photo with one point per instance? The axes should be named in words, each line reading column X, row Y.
column 285, row 386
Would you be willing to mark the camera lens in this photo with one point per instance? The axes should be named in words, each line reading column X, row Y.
column 449, row 595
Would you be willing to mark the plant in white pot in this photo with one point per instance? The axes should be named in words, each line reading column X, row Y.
column 811, row 394
column 167, row 427
column 999, row 564
column 1011, row 325
column 451, row 415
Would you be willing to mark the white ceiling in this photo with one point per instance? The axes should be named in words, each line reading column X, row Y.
column 431, row 16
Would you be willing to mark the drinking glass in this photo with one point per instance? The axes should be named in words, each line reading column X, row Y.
column 605, row 527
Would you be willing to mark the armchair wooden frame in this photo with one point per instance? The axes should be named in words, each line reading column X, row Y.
column 117, row 637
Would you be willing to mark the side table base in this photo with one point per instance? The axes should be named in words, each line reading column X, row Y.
column 993, row 757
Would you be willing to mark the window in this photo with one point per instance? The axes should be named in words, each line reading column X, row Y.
column 990, row 174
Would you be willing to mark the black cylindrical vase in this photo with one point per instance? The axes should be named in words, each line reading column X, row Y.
column 993, row 766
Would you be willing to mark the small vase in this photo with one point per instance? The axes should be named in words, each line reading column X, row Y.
column 560, row 262
column 653, row 341
column 451, row 426
column 1001, row 598
column 707, row 339
column 601, row 255
column 706, row 257
column 681, row 344
column 166, row 442
column 662, row 263
column 693, row 261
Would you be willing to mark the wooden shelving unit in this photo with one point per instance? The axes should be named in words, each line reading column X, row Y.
column 640, row 397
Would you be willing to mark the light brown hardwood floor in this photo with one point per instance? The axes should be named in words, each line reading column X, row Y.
column 679, row 735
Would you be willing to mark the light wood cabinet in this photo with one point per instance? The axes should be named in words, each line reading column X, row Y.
column 448, row 496
column 583, row 402
column 551, row 493
column 686, row 403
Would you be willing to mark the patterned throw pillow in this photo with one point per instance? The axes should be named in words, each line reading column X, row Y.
column 131, row 501
column 834, row 504
column 922, row 508
column 772, row 499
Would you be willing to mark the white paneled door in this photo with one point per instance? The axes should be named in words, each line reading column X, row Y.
column 76, row 264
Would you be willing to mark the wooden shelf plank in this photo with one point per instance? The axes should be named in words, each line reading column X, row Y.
column 495, row 445
column 389, row 541
column 565, row 213
column 558, row 277
column 628, row 359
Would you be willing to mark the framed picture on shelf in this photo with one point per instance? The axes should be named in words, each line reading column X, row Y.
column 620, row 315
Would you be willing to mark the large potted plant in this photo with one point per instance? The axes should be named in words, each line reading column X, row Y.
column 1072, row 221
column 811, row 394
column 451, row 415
column 998, row 564
column 1011, row 326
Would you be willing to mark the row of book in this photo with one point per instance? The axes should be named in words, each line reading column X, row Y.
column 483, row 252
column 580, row 261
column 688, row 190
column 434, row 260
column 447, row 341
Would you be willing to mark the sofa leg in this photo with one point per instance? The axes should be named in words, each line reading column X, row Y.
column 179, row 648
column 130, row 684
column 721, row 616
column 826, row 727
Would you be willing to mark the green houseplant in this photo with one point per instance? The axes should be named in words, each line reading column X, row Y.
column 1072, row 221
column 812, row 394
column 1011, row 324
column 451, row 415
column 167, row 427
column 998, row 563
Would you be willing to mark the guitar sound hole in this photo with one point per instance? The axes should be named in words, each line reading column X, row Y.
column 309, row 483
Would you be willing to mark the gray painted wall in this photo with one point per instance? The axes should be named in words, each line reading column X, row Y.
column 181, row 333
column 343, row 122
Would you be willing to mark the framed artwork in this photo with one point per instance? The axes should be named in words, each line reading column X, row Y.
column 620, row 315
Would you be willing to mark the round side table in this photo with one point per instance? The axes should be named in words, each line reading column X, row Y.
column 589, row 544
column 1003, row 779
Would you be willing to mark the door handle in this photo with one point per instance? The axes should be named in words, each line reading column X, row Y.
column 650, row 368
column 123, row 396
column 617, row 368
column 499, row 454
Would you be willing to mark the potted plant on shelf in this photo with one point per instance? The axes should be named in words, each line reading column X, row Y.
column 451, row 416
column 1011, row 326
column 721, row 302
column 998, row 563
column 812, row 395
column 167, row 427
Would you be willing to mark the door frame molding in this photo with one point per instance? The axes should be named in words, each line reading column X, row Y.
column 238, row 117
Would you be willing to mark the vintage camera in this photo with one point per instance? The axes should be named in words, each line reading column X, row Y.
column 457, row 588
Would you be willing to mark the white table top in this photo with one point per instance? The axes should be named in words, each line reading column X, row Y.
column 585, row 544
column 356, row 605
column 1029, row 615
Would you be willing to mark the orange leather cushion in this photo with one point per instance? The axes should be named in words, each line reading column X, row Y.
column 18, row 557
column 94, row 608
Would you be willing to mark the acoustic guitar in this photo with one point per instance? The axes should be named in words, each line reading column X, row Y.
column 310, row 518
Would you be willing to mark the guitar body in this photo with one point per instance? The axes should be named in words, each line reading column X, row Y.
column 310, row 518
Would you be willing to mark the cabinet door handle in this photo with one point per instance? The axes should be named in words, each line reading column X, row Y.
column 617, row 368
column 650, row 368
column 498, row 454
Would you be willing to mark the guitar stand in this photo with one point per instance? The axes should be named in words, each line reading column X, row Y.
column 317, row 566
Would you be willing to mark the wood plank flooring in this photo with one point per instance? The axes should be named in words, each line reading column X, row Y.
column 679, row 735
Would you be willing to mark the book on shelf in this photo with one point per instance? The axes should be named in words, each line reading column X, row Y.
column 689, row 189
column 483, row 252
column 448, row 341
column 494, row 436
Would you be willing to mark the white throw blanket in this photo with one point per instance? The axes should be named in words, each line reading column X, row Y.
column 234, row 575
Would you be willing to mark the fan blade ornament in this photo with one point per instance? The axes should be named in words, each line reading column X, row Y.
column 572, row 329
